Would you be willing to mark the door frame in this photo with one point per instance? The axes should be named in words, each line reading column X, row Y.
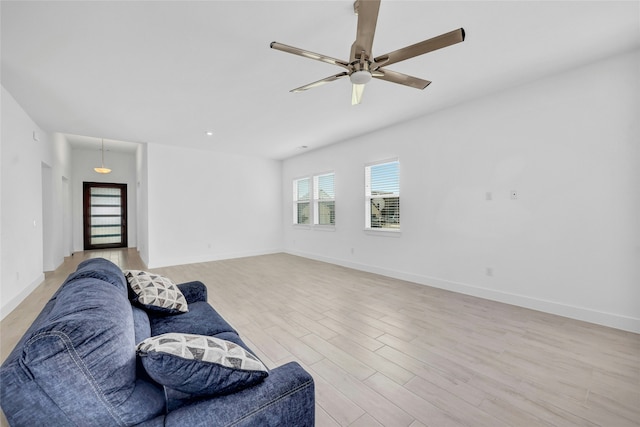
column 86, row 211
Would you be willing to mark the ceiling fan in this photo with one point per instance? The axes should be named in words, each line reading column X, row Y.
column 362, row 65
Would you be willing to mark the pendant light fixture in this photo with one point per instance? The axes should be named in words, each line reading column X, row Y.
column 102, row 169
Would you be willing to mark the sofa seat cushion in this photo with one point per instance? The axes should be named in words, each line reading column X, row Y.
column 84, row 358
column 201, row 319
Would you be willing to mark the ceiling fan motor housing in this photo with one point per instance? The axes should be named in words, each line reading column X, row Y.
column 361, row 73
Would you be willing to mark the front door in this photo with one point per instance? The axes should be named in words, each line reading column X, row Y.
column 105, row 215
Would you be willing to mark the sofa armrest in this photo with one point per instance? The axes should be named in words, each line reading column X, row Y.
column 193, row 291
column 285, row 398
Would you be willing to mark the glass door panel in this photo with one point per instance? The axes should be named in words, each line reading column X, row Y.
column 105, row 215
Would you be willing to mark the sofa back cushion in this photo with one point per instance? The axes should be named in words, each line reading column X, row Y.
column 141, row 325
column 101, row 269
column 83, row 358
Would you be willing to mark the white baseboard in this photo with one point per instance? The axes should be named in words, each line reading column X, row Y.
column 8, row 306
column 612, row 320
column 209, row 257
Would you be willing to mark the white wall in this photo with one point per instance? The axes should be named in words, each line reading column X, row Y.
column 124, row 171
column 46, row 176
column 569, row 244
column 205, row 206
column 142, row 190
column 2, row 137
column 62, row 204
column 23, row 237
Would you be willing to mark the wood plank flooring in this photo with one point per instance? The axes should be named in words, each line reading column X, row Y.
column 385, row 352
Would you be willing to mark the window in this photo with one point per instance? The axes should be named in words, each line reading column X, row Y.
column 382, row 194
column 324, row 200
column 322, row 207
column 301, row 201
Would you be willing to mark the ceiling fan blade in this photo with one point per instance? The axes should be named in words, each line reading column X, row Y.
column 435, row 43
column 367, row 11
column 403, row 79
column 320, row 82
column 356, row 94
column 308, row 54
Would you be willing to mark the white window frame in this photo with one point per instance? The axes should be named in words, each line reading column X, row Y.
column 369, row 197
column 297, row 202
column 318, row 199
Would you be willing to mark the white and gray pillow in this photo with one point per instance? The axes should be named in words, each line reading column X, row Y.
column 156, row 293
column 199, row 364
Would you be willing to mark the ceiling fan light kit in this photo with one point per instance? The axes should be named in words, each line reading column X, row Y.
column 362, row 65
column 360, row 77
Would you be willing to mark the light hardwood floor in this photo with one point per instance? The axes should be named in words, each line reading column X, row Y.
column 393, row 353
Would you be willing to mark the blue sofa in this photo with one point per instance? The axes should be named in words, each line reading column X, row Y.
column 77, row 365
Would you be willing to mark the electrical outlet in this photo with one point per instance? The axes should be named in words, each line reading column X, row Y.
column 488, row 195
column 489, row 271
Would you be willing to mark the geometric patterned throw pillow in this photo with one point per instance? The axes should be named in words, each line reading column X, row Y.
column 198, row 364
column 156, row 293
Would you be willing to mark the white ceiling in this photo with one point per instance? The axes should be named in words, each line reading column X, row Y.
column 168, row 71
column 83, row 142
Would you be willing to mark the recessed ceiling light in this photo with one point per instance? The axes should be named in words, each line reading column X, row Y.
column 209, row 133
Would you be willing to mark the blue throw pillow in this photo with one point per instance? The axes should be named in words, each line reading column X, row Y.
column 199, row 364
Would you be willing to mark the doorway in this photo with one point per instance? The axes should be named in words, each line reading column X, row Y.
column 104, row 215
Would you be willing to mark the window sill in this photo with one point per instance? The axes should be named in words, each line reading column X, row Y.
column 301, row 226
column 389, row 232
